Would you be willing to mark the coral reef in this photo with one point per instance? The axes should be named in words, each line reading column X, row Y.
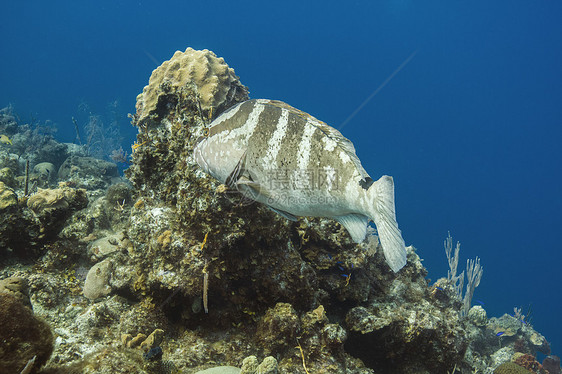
column 31, row 141
column 251, row 365
column 88, row 172
column 267, row 259
column 172, row 272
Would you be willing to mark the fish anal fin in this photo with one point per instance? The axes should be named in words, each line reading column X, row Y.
column 355, row 224
column 287, row 215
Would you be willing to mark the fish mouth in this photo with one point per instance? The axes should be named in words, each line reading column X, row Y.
column 199, row 140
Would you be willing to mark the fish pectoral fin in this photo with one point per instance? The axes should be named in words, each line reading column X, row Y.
column 287, row 215
column 250, row 189
column 237, row 173
column 355, row 224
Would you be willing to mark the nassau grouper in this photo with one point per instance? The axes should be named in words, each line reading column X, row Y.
column 299, row 166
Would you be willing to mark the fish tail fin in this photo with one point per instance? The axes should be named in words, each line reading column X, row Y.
column 383, row 214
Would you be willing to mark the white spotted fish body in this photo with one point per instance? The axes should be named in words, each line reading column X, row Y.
column 299, row 166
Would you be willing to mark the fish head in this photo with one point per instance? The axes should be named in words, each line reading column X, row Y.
column 202, row 152
column 216, row 157
column 221, row 147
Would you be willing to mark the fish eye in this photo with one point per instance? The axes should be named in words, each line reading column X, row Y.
column 206, row 132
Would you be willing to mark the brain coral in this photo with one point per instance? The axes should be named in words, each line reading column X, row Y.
column 215, row 82
column 510, row 368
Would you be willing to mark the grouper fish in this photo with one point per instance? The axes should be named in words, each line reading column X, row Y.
column 299, row 166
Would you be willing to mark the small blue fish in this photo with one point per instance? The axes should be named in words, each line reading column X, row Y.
column 480, row 302
column 500, row 333
column 154, row 354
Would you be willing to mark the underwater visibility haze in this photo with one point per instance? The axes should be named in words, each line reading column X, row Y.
column 139, row 254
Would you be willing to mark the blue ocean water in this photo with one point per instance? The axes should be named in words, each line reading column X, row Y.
column 465, row 109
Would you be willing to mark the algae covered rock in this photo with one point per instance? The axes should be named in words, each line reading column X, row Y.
column 477, row 316
column 97, row 280
column 279, row 328
column 53, row 152
column 118, row 195
column 514, row 329
column 401, row 323
column 26, row 226
column 16, row 287
column 13, row 226
column 45, row 173
column 7, row 177
column 23, row 336
column 8, row 199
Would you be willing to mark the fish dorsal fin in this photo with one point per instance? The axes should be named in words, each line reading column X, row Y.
column 355, row 224
column 341, row 141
